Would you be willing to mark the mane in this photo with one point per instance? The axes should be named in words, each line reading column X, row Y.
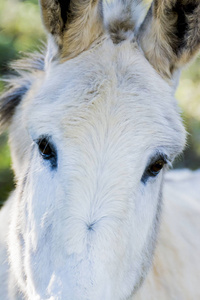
column 18, row 83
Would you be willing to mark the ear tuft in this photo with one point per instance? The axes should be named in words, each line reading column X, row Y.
column 121, row 18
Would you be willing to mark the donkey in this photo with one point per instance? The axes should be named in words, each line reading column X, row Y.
column 93, row 127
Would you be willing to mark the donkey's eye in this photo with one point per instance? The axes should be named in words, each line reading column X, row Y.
column 46, row 149
column 155, row 168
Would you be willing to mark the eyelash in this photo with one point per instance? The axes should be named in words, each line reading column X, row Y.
column 154, row 168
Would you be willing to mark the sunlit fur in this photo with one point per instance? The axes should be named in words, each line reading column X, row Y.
column 87, row 229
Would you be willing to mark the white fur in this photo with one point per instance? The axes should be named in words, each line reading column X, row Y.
column 175, row 272
column 107, row 112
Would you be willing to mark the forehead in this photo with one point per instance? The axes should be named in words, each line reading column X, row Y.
column 108, row 86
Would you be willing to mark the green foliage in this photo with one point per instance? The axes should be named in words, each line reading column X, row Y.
column 20, row 29
column 188, row 95
column 6, row 176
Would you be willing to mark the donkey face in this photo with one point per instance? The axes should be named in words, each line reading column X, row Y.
column 97, row 130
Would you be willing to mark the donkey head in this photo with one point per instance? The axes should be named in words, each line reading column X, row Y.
column 92, row 130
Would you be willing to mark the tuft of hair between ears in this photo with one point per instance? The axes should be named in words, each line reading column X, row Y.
column 17, row 85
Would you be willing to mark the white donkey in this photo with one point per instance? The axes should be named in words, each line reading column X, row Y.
column 93, row 127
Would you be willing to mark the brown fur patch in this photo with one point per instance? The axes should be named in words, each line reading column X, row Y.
column 118, row 30
column 123, row 16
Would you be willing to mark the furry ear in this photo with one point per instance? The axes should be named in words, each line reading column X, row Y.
column 73, row 24
column 170, row 34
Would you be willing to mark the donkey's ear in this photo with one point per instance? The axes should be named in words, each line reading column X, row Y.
column 170, row 34
column 73, row 24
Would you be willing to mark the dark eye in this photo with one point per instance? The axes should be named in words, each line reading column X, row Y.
column 47, row 151
column 155, row 168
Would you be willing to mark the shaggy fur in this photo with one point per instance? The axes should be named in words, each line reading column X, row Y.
column 87, row 228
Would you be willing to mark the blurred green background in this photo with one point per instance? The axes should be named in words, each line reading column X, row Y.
column 21, row 31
